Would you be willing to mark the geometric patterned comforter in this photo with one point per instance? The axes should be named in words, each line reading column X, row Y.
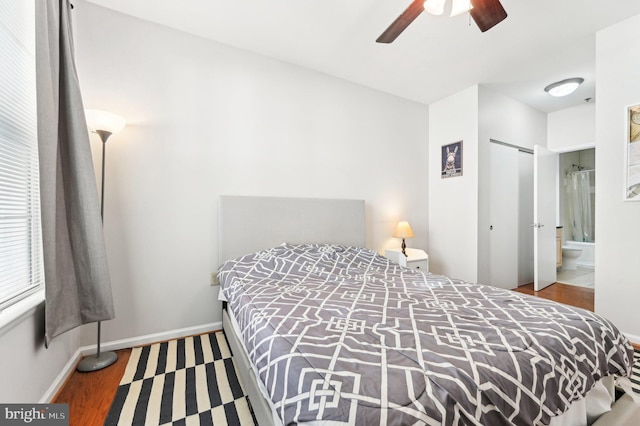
column 341, row 334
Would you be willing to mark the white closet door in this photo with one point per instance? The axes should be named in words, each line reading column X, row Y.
column 503, row 234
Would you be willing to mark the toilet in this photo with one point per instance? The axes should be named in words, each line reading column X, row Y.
column 570, row 257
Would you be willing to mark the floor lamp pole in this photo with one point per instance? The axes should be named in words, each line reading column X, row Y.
column 101, row 359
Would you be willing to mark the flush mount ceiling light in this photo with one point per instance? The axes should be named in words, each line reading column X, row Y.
column 564, row 87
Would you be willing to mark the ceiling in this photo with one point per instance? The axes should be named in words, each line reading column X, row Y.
column 540, row 42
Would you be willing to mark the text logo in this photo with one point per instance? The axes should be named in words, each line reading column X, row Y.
column 34, row 414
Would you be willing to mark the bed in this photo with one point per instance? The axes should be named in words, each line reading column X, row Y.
column 328, row 332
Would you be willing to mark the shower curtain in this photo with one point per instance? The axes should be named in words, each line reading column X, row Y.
column 579, row 197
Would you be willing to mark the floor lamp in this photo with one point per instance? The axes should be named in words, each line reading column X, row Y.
column 104, row 124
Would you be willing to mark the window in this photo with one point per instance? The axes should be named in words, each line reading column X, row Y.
column 21, row 270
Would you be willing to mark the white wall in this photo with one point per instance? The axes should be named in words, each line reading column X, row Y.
column 28, row 368
column 617, row 222
column 459, row 207
column 506, row 120
column 568, row 131
column 453, row 202
column 572, row 128
column 206, row 120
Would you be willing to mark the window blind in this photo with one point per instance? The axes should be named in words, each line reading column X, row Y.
column 21, row 270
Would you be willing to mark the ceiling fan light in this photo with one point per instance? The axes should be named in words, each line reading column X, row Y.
column 564, row 87
column 459, row 7
column 434, row 7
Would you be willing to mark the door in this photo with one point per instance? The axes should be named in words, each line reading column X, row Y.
column 525, row 219
column 544, row 217
column 503, row 216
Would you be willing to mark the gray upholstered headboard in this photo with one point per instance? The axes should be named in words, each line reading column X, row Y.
column 248, row 224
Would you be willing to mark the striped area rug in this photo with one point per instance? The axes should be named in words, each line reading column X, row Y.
column 189, row 381
column 635, row 372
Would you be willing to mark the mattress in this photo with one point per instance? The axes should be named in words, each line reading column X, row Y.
column 340, row 334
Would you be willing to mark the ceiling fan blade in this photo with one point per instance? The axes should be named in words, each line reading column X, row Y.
column 402, row 22
column 487, row 13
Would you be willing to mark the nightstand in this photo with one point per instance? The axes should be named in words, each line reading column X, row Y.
column 416, row 258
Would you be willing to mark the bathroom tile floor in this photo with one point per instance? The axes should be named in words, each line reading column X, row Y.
column 584, row 277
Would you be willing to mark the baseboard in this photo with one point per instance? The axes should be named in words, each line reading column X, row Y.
column 115, row 345
column 635, row 340
column 153, row 338
column 62, row 377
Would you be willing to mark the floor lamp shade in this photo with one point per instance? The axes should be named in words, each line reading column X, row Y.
column 104, row 124
column 104, row 121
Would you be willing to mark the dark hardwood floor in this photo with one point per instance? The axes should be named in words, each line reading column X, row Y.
column 580, row 297
column 89, row 395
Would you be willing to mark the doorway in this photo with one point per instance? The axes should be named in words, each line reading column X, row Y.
column 576, row 215
column 510, row 254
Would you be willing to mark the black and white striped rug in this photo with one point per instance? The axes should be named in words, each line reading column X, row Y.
column 181, row 382
column 635, row 372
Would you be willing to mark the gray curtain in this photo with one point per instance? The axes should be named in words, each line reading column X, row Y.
column 78, row 290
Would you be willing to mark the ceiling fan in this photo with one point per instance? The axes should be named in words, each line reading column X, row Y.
column 486, row 14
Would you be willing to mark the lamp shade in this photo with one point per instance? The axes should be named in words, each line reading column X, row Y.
column 403, row 230
column 104, row 121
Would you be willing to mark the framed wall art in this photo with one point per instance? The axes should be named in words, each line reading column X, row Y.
column 632, row 155
column 452, row 160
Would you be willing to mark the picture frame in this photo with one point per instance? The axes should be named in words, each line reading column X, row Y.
column 632, row 155
column 451, row 160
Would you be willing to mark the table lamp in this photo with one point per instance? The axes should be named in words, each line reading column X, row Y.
column 403, row 230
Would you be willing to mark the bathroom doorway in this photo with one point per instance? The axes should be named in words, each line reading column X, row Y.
column 576, row 216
